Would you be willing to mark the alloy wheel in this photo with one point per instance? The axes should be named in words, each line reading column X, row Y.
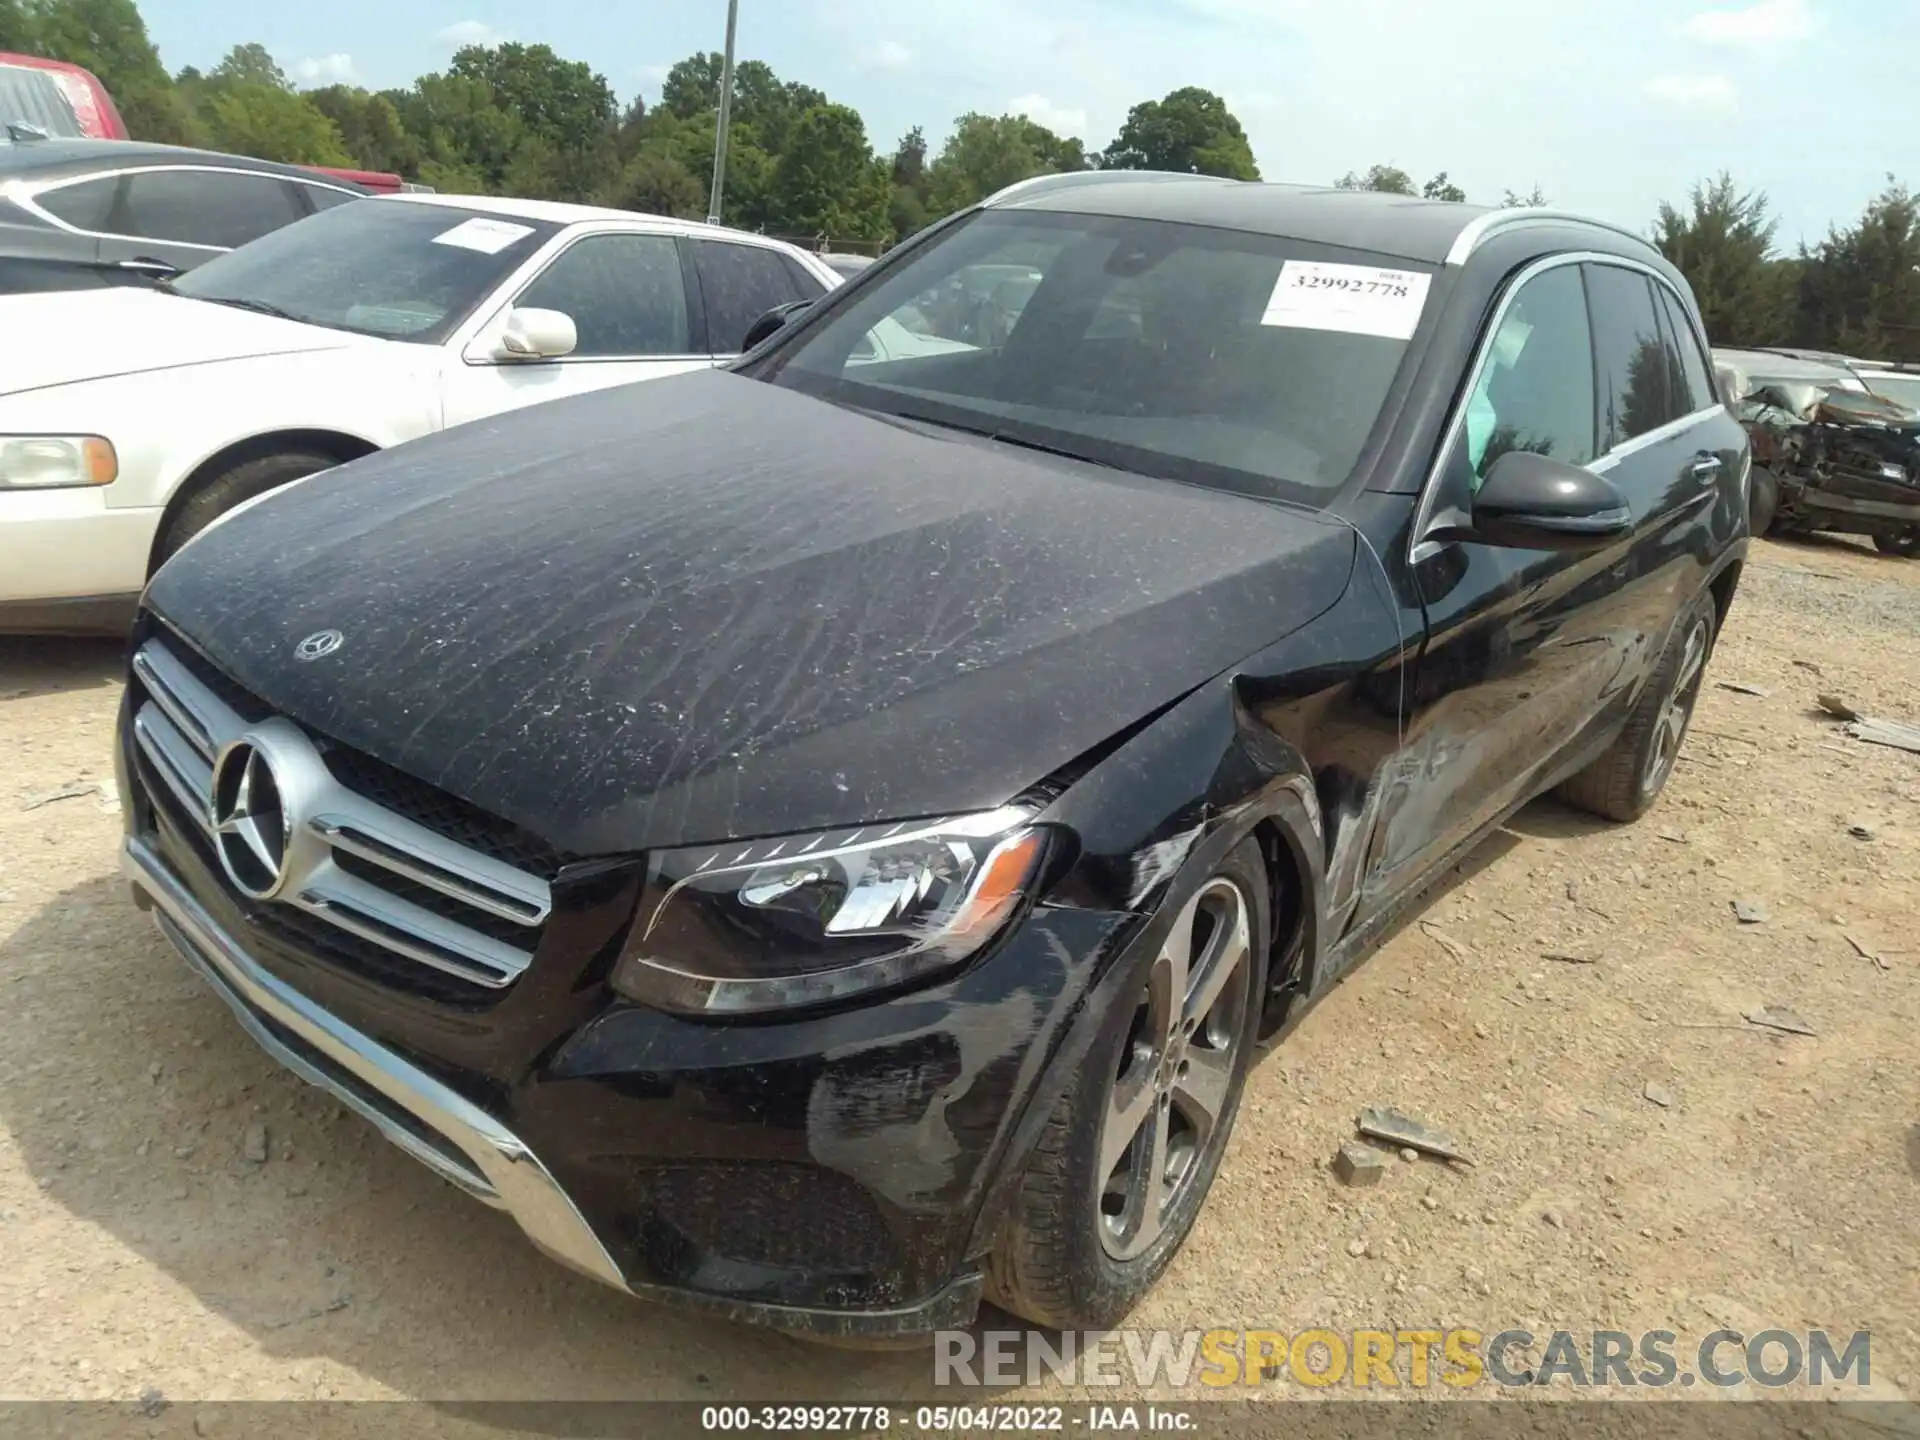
column 1166, row 1104
column 1671, row 728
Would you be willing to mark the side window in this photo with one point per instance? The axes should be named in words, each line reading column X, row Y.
column 84, row 205
column 1692, row 384
column 1632, row 358
column 741, row 283
column 1535, row 388
column 217, row 208
column 625, row 293
column 811, row 285
column 325, row 197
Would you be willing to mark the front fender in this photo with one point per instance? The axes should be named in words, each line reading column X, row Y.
column 1154, row 818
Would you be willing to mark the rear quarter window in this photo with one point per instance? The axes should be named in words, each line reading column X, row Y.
column 84, row 204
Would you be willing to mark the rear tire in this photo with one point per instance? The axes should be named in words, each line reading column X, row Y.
column 219, row 493
column 1905, row 544
column 1110, row 1193
column 1763, row 501
column 1625, row 781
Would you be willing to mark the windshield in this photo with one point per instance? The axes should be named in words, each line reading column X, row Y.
column 1250, row 362
column 1903, row 388
column 392, row 268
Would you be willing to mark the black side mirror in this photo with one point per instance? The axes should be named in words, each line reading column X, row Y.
column 772, row 323
column 1533, row 502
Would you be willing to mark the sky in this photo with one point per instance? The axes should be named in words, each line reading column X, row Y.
column 1609, row 106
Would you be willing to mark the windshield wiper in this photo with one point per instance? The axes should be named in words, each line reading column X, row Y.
column 1004, row 437
column 259, row 307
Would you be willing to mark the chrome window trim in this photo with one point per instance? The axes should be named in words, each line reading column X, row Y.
column 1424, row 548
column 28, row 198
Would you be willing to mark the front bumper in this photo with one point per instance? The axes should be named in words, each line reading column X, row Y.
column 643, row 1161
column 71, row 544
column 443, row 1131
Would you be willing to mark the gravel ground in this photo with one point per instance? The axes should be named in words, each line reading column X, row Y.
column 150, row 1247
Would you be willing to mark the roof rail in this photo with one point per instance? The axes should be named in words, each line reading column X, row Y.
column 1076, row 179
column 1483, row 227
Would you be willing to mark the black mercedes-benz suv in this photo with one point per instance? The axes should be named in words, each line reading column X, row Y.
column 823, row 840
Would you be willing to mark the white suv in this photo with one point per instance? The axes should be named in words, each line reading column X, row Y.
column 132, row 417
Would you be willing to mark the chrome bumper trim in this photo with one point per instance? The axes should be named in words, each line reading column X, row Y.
column 498, row 1167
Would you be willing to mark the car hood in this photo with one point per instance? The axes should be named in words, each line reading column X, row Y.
column 130, row 330
column 705, row 607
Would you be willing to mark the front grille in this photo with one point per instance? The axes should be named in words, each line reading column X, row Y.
column 303, row 846
column 442, row 813
column 447, row 815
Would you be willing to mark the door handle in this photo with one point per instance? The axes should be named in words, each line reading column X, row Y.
column 1706, row 469
column 148, row 267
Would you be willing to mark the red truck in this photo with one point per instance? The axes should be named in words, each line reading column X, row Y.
column 59, row 99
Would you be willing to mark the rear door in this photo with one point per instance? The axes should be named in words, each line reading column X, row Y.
column 1667, row 444
column 739, row 282
column 628, row 297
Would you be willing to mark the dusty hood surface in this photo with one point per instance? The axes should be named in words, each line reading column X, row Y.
column 70, row 335
column 704, row 608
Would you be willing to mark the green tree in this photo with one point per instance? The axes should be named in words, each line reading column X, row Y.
column 1191, row 131
column 1723, row 244
column 565, row 111
column 565, row 100
column 1513, row 201
column 269, row 123
column 467, row 138
column 1388, row 179
column 987, row 153
column 1441, row 188
column 760, row 97
column 655, row 183
column 250, row 64
column 109, row 38
column 827, row 181
column 1859, row 291
column 910, row 160
column 370, row 128
column 16, row 30
column 631, row 132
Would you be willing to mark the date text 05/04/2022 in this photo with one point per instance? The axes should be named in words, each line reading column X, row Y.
column 945, row 1419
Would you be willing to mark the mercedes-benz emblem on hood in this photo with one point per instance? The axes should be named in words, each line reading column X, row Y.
column 250, row 820
column 317, row 645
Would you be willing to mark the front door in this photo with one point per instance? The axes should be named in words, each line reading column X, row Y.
column 1521, row 645
column 627, row 296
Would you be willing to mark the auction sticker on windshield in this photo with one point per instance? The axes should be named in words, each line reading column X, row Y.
column 1359, row 299
column 489, row 237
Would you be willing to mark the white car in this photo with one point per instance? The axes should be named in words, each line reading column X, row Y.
column 130, row 418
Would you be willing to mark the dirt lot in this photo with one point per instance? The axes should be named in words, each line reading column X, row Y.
column 1780, row 1184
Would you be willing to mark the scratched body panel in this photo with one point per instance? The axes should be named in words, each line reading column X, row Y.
column 704, row 607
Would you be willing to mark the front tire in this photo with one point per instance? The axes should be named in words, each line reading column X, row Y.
column 1130, row 1151
column 1625, row 781
column 1906, row 544
column 216, row 495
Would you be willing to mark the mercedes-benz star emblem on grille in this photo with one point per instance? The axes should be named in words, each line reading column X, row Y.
column 318, row 645
column 250, row 820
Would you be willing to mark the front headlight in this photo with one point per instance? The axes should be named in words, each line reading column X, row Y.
column 743, row 927
column 51, row 462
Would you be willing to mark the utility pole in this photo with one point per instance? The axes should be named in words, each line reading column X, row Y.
column 726, row 116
